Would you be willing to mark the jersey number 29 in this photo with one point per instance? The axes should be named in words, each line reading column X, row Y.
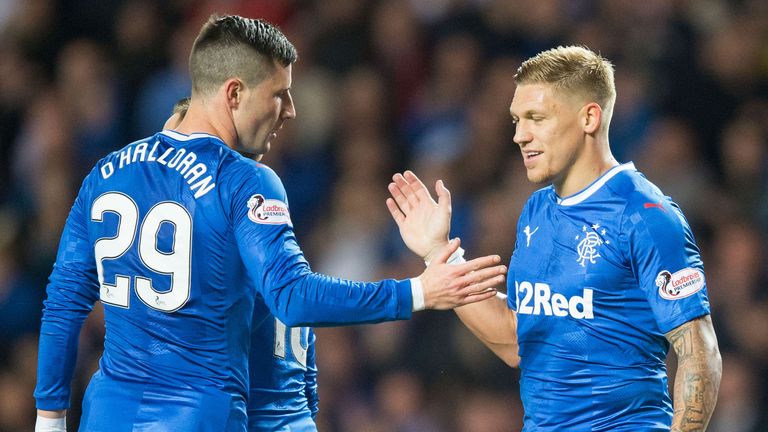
column 175, row 263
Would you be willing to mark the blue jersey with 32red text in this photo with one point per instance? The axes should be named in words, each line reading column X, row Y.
column 597, row 279
column 176, row 234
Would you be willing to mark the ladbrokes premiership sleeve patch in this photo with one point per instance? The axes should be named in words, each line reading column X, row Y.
column 681, row 284
column 268, row 211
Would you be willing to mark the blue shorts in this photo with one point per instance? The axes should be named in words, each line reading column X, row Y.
column 117, row 406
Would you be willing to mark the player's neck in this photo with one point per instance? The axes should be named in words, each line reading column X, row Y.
column 585, row 170
column 202, row 120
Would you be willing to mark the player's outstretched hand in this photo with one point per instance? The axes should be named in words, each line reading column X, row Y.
column 447, row 286
column 424, row 224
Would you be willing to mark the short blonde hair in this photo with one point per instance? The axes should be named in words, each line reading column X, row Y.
column 576, row 70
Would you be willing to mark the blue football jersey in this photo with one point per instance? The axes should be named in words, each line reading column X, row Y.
column 283, row 379
column 597, row 279
column 176, row 234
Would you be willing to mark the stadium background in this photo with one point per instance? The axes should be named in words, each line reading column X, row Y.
column 382, row 86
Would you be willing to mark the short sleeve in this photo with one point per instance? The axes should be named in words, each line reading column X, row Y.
column 667, row 263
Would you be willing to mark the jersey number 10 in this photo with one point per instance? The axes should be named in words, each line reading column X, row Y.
column 175, row 264
column 299, row 342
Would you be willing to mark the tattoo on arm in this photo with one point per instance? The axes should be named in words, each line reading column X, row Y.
column 698, row 374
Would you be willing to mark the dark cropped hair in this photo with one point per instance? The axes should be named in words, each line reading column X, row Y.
column 232, row 46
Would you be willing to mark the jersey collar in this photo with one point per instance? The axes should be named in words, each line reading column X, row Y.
column 197, row 135
column 597, row 184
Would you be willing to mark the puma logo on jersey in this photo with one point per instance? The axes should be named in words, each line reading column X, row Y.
column 528, row 234
column 657, row 205
column 537, row 299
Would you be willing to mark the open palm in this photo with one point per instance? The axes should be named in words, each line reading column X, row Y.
column 424, row 224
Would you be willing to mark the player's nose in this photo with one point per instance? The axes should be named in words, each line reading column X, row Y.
column 522, row 136
column 289, row 110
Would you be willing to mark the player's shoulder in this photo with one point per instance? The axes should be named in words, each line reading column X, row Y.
column 644, row 202
column 115, row 155
column 105, row 166
column 241, row 176
column 539, row 198
column 542, row 193
column 536, row 202
column 242, row 168
column 632, row 185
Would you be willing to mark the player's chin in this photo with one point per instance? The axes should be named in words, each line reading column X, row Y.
column 261, row 147
column 254, row 148
column 537, row 176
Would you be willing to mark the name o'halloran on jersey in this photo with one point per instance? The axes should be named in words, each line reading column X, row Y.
column 178, row 159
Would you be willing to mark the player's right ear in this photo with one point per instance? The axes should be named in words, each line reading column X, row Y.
column 592, row 117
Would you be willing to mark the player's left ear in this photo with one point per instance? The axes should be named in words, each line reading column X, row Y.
column 233, row 88
column 592, row 116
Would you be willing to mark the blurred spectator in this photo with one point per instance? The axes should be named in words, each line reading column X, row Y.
column 399, row 51
column 743, row 151
column 484, row 411
column 738, row 409
column 44, row 182
column 437, row 129
column 633, row 115
column 19, row 80
column 20, row 294
column 91, row 94
column 400, row 400
column 671, row 157
column 164, row 86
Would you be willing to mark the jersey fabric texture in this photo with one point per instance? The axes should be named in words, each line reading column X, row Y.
column 283, row 379
column 176, row 234
column 597, row 279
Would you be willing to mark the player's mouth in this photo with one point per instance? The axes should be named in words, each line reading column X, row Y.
column 273, row 134
column 531, row 157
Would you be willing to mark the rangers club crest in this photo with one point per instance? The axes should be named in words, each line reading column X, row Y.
column 589, row 244
column 267, row 211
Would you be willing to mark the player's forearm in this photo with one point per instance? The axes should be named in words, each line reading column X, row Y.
column 698, row 374
column 495, row 325
column 52, row 414
column 317, row 300
column 696, row 386
column 57, row 354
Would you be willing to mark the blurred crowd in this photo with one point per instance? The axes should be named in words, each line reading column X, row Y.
column 382, row 86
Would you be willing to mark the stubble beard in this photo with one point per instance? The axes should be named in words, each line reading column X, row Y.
column 539, row 178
